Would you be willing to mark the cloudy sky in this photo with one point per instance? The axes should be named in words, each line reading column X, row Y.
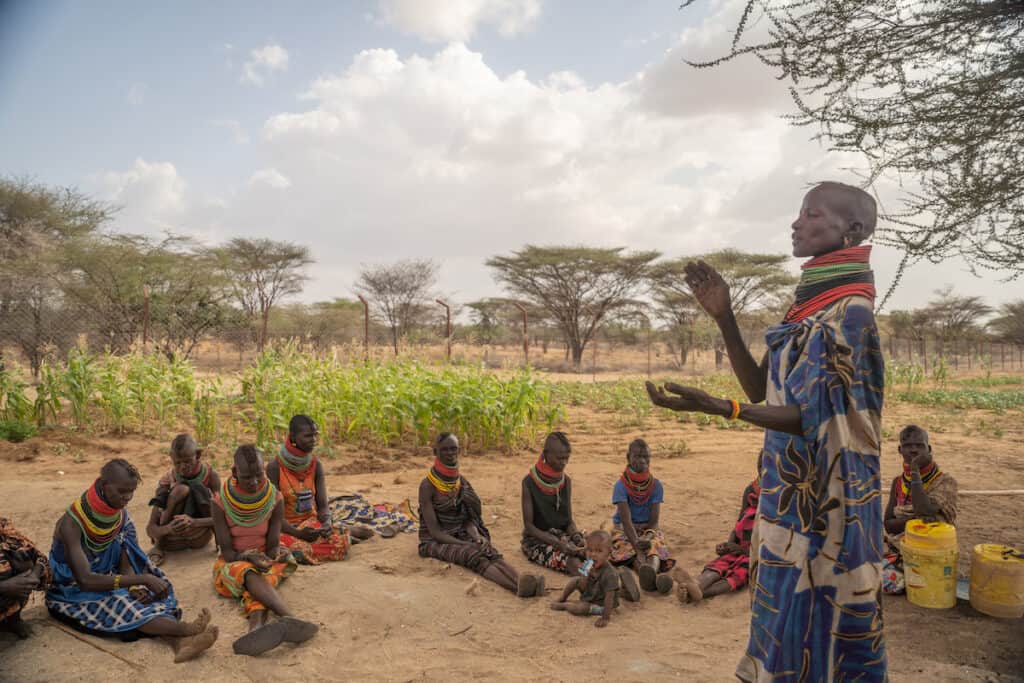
column 449, row 129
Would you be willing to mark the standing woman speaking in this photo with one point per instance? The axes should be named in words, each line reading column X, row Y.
column 816, row 552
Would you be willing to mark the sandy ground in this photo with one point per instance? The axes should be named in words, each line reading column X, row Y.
column 387, row 614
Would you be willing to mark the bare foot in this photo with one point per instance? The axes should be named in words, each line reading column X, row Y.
column 156, row 556
column 559, row 606
column 688, row 590
column 527, row 587
column 191, row 647
column 201, row 622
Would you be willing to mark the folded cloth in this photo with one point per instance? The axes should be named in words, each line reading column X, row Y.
column 353, row 508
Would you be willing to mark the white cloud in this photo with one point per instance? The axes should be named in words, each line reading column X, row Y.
column 441, row 157
column 151, row 195
column 271, row 178
column 262, row 62
column 457, row 20
column 238, row 133
column 136, row 94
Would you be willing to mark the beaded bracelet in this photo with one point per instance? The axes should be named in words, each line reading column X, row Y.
column 735, row 409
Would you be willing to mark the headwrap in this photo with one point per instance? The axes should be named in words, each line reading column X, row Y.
column 445, row 479
column 247, row 509
column 100, row 523
column 639, row 486
column 827, row 278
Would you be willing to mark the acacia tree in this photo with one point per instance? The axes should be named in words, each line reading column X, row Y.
column 951, row 317
column 35, row 223
column 397, row 292
column 105, row 277
column 1009, row 325
column 576, row 286
column 930, row 92
column 261, row 272
column 756, row 281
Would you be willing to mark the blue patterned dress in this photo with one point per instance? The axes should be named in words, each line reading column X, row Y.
column 817, row 550
column 106, row 613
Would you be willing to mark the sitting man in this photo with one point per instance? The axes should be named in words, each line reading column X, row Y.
column 923, row 491
column 181, row 517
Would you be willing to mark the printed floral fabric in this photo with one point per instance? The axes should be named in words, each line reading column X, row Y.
column 816, row 551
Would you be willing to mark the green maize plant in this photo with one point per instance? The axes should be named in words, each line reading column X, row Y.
column 15, row 405
column 205, row 403
column 113, row 396
column 79, row 385
column 48, row 395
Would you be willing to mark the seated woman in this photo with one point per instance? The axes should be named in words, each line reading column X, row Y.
column 550, row 536
column 247, row 517
column 729, row 571
column 181, row 517
column 637, row 541
column 923, row 491
column 306, row 530
column 23, row 569
column 452, row 526
column 103, row 583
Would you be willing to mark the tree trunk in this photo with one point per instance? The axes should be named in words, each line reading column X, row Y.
column 577, row 354
column 263, row 329
column 719, row 357
column 394, row 339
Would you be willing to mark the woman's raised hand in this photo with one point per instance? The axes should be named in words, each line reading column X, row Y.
column 686, row 399
column 708, row 287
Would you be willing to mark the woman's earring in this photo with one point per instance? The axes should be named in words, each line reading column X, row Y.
column 846, row 241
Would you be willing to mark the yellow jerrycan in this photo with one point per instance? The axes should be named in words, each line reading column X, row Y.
column 930, row 557
column 997, row 581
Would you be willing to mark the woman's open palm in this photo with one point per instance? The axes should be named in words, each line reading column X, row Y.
column 709, row 288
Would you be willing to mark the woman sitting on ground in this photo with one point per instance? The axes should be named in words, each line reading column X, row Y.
column 550, row 536
column 23, row 569
column 452, row 527
column 181, row 517
column 103, row 583
column 247, row 517
column 637, row 541
column 729, row 571
column 306, row 530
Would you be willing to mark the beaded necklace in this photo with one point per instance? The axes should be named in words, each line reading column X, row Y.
column 445, row 479
column 247, row 509
column 928, row 476
column 100, row 523
column 639, row 486
column 294, row 459
column 201, row 473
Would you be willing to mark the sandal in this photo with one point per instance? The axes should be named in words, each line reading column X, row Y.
column 389, row 531
column 263, row 639
column 648, row 577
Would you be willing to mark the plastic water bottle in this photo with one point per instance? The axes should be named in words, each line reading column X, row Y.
column 585, row 569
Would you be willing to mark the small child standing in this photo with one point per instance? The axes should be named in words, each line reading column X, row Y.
column 599, row 583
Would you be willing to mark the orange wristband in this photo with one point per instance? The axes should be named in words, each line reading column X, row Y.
column 735, row 409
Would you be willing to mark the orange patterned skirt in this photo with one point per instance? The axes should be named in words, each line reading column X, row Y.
column 334, row 548
column 229, row 580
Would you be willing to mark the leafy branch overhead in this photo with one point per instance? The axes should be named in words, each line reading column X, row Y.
column 931, row 93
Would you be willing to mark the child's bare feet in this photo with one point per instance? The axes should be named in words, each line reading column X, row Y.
column 559, row 606
column 688, row 590
column 191, row 647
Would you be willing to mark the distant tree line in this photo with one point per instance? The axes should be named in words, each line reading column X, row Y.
column 64, row 275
